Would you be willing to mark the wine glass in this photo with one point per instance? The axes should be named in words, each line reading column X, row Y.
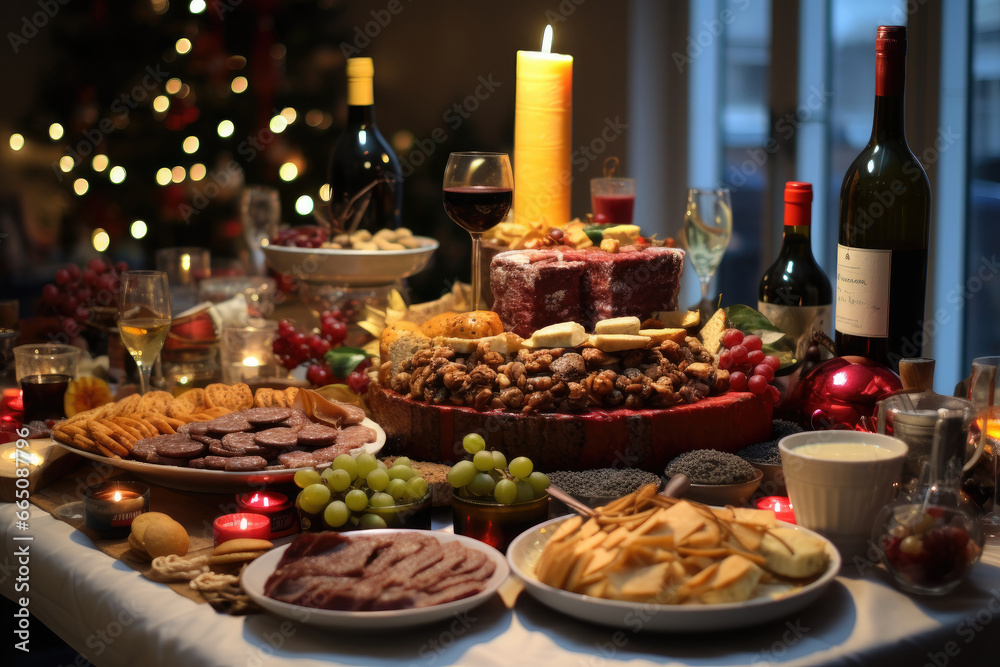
column 708, row 224
column 478, row 191
column 982, row 390
column 260, row 214
column 144, row 317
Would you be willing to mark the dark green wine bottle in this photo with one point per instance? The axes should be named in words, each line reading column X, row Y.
column 795, row 293
column 885, row 205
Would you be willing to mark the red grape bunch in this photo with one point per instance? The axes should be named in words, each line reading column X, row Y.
column 76, row 293
column 749, row 368
column 292, row 348
column 301, row 236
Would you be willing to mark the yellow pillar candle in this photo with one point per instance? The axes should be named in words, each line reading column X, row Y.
column 543, row 129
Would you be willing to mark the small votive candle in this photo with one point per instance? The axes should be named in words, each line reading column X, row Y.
column 780, row 505
column 273, row 505
column 110, row 507
column 243, row 524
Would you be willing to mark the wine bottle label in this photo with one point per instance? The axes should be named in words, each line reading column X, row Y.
column 797, row 321
column 863, row 291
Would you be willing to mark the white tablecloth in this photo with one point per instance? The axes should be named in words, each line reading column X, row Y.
column 114, row 616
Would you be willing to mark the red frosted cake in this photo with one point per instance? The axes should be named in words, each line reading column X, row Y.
column 535, row 288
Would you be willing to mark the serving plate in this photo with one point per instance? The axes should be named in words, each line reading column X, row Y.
column 360, row 268
column 255, row 576
column 213, row 481
column 774, row 601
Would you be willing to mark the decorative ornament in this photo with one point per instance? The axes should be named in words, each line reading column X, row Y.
column 841, row 393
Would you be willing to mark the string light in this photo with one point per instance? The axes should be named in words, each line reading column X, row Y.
column 288, row 172
column 289, row 114
column 161, row 103
column 138, row 229
column 197, row 6
column 100, row 162
column 226, row 128
column 66, row 163
column 56, row 131
column 304, row 205
column 80, row 186
column 177, row 174
column 278, row 124
column 190, row 145
column 100, row 240
column 239, row 85
column 197, row 171
column 324, row 192
column 16, row 141
column 183, row 45
column 173, row 86
column 117, row 174
column 163, row 176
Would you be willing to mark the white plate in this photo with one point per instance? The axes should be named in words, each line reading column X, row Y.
column 774, row 601
column 351, row 267
column 255, row 576
column 213, row 481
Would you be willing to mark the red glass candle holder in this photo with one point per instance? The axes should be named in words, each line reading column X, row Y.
column 494, row 524
column 780, row 505
column 110, row 507
column 241, row 525
column 273, row 505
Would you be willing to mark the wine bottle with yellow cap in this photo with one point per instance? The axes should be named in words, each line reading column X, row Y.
column 366, row 184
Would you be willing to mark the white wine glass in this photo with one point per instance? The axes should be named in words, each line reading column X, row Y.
column 478, row 191
column 983, row 394
column 144, row 317
column 708, row 225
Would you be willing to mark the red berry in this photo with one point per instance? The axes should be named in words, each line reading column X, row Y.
column 732, row 337
column 74, row 271
column 764, row 371
column 298, row 338
column 68, row 306
column 358, row 382
column 121, row 267
column 82, row 314
column 50, row 293
column 318, row 345
column 97, row 265
column 319, row 375
column 286, row 328
column 738, row 381
column 600, row 219
column 773, row 393
column 334, row 312
column 336, row 331
column 62, row 277
column 725, row 360
column 752, row 343
column 302, row 352
column 364, row 364
column 757, row 384
column 773, row 362
column 755, row 357
column 739, row 354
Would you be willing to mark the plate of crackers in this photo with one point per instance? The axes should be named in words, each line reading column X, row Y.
column 650, row 563
column 119, row 434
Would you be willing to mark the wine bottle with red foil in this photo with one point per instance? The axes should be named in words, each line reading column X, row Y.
column 366, row 183
column 795, row 293
column 885, row 205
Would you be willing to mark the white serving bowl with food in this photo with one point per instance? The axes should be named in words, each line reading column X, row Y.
column 347, row 266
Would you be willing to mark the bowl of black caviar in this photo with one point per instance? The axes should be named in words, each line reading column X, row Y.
column 598, row 487
column 717, row 478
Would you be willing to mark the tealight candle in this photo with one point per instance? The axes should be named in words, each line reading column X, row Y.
column 110, row 507
column 231, row 526
column 273, row 505
column 780, row 505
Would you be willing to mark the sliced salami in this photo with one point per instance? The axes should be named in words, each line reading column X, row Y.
column 230, row 423
column 355, row 436
column 193, row 428
column 280, row 436
column 243, row 444
column 245, row 463
column 216, row 462
column 177, row 446
column 317, row 435
column 312, row 458
column 197, row 463
column 266, row 416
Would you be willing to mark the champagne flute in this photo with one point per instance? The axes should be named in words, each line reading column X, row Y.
column 478, row 191
column 708, row 224
column 144, row 317
column 982, row 393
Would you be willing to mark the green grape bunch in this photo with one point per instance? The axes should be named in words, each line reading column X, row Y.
column 488, row 474
column 343, row 493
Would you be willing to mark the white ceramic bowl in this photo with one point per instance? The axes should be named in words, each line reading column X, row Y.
column 840, row 497
column 351, row 267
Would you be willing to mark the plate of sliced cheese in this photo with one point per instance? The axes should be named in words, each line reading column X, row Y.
column 649, row 563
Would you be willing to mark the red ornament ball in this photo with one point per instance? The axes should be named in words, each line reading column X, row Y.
column 842, row 393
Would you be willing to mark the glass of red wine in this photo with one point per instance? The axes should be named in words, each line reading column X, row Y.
column 478, row 191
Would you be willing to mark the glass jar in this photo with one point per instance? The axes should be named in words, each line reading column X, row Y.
column 494, row 524
column 929, row 539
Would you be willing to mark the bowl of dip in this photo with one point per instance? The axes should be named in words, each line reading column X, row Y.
column 838, row 481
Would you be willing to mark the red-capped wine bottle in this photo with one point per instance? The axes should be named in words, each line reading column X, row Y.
column 885, row 205
column 366, row 184
column 795, row 293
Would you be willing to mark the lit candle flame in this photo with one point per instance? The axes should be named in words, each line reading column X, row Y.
column 243, row 523
column 547, row 40
column 118, row 496
column 251, row 361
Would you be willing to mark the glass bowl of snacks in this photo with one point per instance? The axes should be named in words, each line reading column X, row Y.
column 494, row 501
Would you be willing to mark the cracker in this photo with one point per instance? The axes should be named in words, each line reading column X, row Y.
column 190, row 402
column 264, row 397
column 140, row 423
column 160, row 424
column 232, row 397
column 155, row 401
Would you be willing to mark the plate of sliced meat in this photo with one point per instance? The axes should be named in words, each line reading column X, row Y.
column 375, row 579
column 240, row 450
